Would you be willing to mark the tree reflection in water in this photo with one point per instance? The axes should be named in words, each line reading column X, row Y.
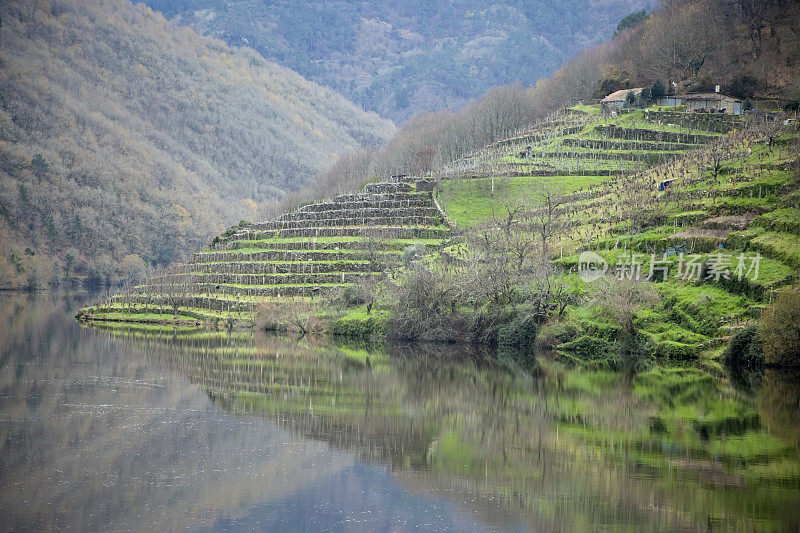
column 557, row 448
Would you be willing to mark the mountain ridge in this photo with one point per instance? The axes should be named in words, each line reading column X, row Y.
column 402, row 58
column 122, row 135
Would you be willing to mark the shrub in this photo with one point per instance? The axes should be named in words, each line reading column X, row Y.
column 674, row 350
column 622, row 299
column 423, row 307
column 744, row 351
column 588, row 348
column 289, row 314
column 646, row 95
column 413, row 252
column 520, row 330
column 779, row 329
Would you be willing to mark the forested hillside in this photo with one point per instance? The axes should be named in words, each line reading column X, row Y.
column 751, row 49
column 126, row 141
column 398, row 58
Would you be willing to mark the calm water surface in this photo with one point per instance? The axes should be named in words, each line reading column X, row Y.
column 121, row 429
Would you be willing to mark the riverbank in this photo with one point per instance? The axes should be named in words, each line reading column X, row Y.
column 663, row 258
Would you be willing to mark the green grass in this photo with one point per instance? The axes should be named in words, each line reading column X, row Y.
column 333, row 240
column 469, row 202
column 785, row 220
column 322, row 251
column 782, row 246
column 588, row 109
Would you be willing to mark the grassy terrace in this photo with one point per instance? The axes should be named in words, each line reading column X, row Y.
column 230, row 280
column 470, row 202
column 251, row 250
column 755, row 186
column 747, row 204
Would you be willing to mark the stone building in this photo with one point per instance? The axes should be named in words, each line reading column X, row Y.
column 712, row 103
column 619, row 99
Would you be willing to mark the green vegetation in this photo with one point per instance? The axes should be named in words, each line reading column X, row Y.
column 506, row 277
column 780, row 330
column 470, row 202
column 614, row 440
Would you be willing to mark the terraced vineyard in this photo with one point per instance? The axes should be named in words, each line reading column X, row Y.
column 300, row 255
column 573, row 152
column 730, row 202
column 642, row 182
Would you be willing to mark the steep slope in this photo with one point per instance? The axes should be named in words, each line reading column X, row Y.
column 121, row 134
column 398, row 58
column 319, row 248
column 651, row 190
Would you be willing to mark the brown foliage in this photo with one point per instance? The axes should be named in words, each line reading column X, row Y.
column 622, row 299
column 124, row 136
column 780, row 330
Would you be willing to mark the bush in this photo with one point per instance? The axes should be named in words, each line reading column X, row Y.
column 413, row 252
column 359, row 325
column 646, row 96
column 423, row 307
column 519, row 331
column 674, row 350
column 779, row 330
column 744, row 351
column 588, row 348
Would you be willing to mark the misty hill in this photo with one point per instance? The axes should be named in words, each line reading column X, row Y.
column 123, row 134
column 397, row 58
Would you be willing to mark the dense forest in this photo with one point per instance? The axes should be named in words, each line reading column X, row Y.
column 398, row 58
column 126, row 141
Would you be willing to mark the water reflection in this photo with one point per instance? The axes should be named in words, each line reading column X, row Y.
column 393, row 437
column 566, row 449
column 101, row 432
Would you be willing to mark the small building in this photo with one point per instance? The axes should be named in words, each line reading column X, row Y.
column 619, row 99
column 712, row 103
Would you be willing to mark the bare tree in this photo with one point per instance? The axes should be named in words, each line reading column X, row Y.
column 547, row 220
column 175, row 285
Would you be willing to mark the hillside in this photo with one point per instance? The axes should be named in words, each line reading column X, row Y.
column 643, row 190
column 399, row 58
column 317, row 250
column 122, row 136
column 750, row 49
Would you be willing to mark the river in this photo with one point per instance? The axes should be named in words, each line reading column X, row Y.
column 120, row 429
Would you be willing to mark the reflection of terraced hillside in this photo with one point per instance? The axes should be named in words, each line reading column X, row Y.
column 94, row 438
column 307, row 389
column 569, row 449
